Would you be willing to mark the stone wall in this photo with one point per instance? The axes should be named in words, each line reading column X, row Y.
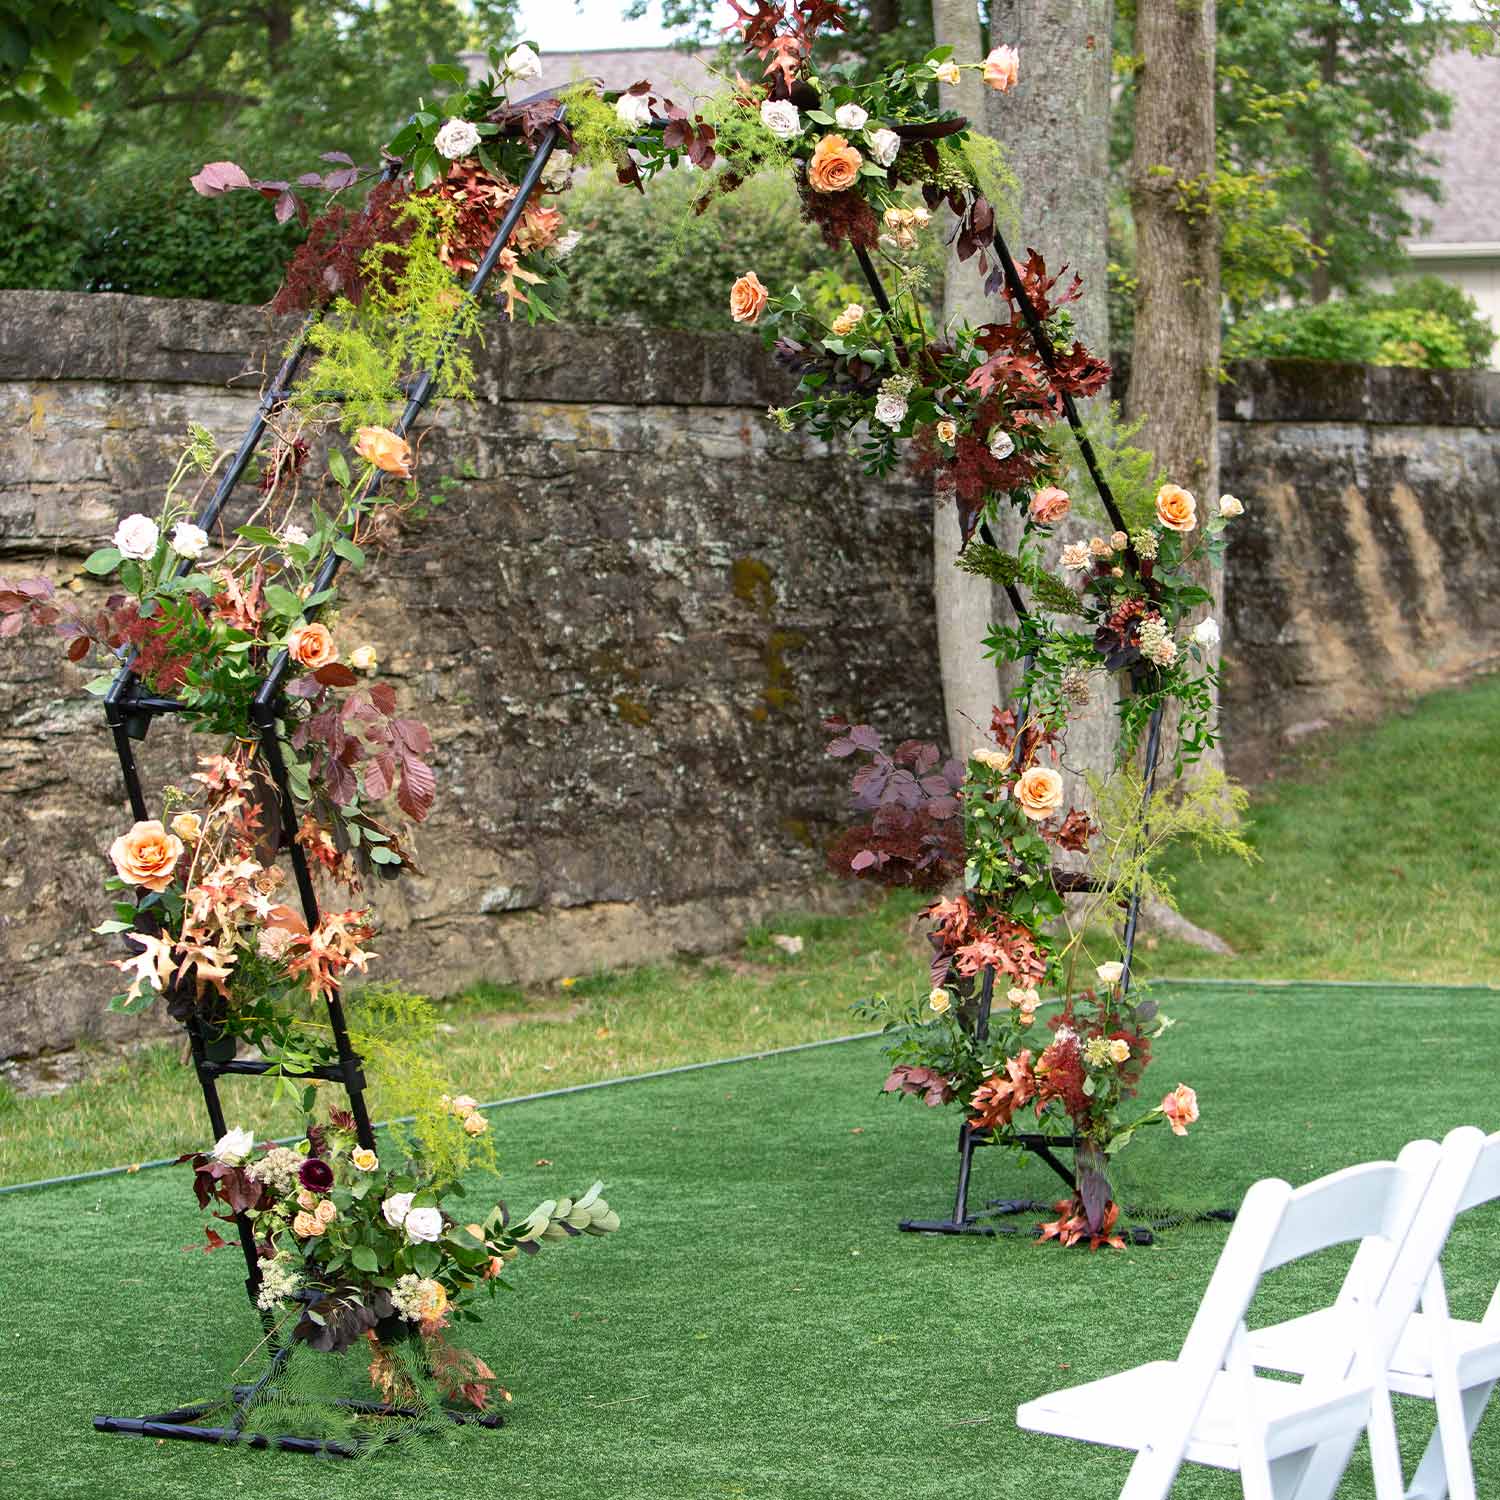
column 625, row 627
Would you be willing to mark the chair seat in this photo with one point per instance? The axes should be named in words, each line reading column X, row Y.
column 1294, row 1346
column 1119, row 1409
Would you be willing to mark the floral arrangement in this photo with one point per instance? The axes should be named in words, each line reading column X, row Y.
column 352, row 1248
column 990, row 414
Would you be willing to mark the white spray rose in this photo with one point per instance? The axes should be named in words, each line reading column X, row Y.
column 851, row 116
column 234, row 1147
column 780, row 117
column 136, row 537
column 1206, row 632
column 456, row 139
column 294, row 536
column 884, row 146
column 523, row 63
column 567, row 244
column 189, row 540
column 396, row 1208
column 891, row 410
column 1002, row 445
column 633, row 109
column 423, row 1224
column 1110, row 973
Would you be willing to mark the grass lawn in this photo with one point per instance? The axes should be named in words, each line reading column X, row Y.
column 758, row 1328
column 1377, row 862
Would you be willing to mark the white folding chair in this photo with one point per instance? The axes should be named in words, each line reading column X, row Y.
column 1451, row 1362
column 1288, row 1441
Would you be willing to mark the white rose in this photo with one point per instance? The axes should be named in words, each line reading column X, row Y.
column 136, row 537
column 1110, row 973
column 946, row 72
column 1206, row 632
column 884, row 146
column 233, row 1148
column 567, row 244
column 1002, row 445
column 780, row 117
column 1230, row 507
column 891, row 410
column 397, row 1208
column 523, row 63
column 457, row 138
column 633, row 109
column 423, row 1223
column 189, row 540
column 294, row 536
column 851, row 116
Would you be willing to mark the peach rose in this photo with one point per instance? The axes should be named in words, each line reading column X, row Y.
column 312, row 646
column 147, row 855
column 475, row 1124
column 1181, row 1108
column 325, row 1213
column 1002, row 68
column 306, row 1227
column 1119, row 1050
column 381, row 447
column 1039, row 792
column 834, row 165
column 1049, row 505
column 187, row 826
column 1175, row 508
column 747, row 299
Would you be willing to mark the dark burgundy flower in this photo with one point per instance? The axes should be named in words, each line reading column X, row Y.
column 315, row 1175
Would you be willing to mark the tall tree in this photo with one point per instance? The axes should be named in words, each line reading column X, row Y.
column 1174, row 366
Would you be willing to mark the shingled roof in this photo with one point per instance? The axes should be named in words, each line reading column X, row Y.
column 1468, row 153
column 678, row 74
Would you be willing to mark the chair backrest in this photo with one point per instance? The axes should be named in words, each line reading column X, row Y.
column 1389, row 1203
column 1484, row 1187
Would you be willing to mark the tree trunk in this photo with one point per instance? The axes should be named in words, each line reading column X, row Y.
column 1054, row 126
column 965, row 604
column 1322, row 230
column 1174, row 367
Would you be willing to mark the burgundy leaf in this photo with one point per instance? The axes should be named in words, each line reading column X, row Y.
column 383, row 696
column 337, row 181
column 342, row 157
column 865, row 859
column 840, row 748
column 342, row 785
column 413, row 735
column 865, row 737
column 378, row 775
column 418, row 788
column 336, row 674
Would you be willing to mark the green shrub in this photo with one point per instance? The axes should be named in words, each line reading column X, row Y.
column 1425, row 323
column 41, row 233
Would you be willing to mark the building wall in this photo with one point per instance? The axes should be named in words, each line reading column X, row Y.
column 626, row 627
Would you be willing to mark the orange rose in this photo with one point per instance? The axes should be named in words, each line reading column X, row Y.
column 381, row 447
column 1002, row 68
column 1049, row 505
column 147, row 855
column 747, row 299
column 1181, row 1108
column 834, row 165
column 1176, row 508
column 312, row 646
column 1039, row 792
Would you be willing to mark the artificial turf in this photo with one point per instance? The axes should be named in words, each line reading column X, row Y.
column 759, row 1328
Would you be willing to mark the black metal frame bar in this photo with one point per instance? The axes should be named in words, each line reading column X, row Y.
column 962, row 1220
column 129, row 711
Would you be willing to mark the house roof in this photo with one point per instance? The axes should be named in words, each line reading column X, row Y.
column 686, row 73
column 1468, row 155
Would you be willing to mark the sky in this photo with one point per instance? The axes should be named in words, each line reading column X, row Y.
column 575, row 25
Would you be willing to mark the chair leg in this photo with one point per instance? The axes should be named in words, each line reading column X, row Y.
column 1385, row 1450
column 1446, row 1468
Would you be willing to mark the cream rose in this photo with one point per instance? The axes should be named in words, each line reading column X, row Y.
column 780, row 117
column 1002, row 445
column 1110, row 973
column 1002, row 68
column 147, row 855
column 455, row 140
column 475, row 1123
column 834, row 165
column 1075, row 557
column 1022, row 999
column 1175, row 508
column 850, row 117
column 311, row 646
column 996, row 760
column 940, row 1002
column 1119, row 1050
column 885, row 146
column 947, row 72
column 748, row 298
column 233, row 1147
column 1039, row 792
column 1229, row 507
column 1206, row 632
column 381, row 447
column 187, row 826
column 364, row 1159
column 325, row 1213
column 363, row 659
column 423, row 1224
column 633, row 109
column 136, row 537
column 189, row 540
column 523, row 63
column 890, row 409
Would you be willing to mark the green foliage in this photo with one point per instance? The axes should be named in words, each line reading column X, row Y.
column 1050, row 591
column 652, row 261
column 150, row 235
column 412, row 318
column 1132, row 473
column 599, row 134
column 1426, row 324
column 42, row 45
